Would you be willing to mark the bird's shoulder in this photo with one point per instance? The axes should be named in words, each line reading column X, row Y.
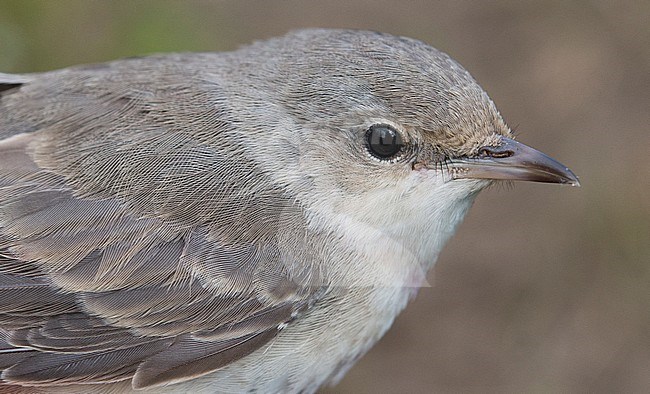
column 131, row 245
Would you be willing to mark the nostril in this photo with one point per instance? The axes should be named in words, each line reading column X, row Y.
column 495, row 152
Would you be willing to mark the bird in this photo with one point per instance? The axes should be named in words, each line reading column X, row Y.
column 243, row 221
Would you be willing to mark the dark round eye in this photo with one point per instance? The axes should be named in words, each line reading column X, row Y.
column 383, row 141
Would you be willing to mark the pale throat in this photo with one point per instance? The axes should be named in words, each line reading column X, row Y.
column 398, row 231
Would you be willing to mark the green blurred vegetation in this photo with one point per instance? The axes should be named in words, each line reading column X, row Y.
column 38, row 35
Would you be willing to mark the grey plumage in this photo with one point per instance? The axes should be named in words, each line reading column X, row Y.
column 166, row 217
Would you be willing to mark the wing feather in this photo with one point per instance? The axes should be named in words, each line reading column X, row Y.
column 189, row 357
column 108, row 365
column 131, row 248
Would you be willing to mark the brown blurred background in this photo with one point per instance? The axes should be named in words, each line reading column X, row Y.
column 544, row 288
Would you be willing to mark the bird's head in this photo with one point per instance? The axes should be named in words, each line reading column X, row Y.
column 389, row 133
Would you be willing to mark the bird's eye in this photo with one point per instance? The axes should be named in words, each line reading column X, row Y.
column 383, row 141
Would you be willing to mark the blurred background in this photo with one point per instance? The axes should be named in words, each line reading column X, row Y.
column 544, row 288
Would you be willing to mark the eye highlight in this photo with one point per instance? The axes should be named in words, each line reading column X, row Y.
column 384, row 142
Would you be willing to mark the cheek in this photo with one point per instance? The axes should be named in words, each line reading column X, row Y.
column 424, row 181
column 363, row 178
column 433, row 181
